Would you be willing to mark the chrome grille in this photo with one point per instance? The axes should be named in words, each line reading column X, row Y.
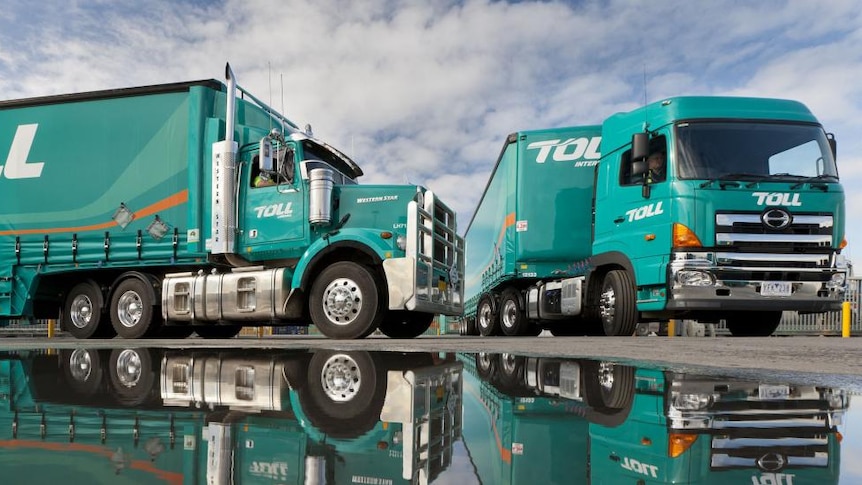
column 748, row 232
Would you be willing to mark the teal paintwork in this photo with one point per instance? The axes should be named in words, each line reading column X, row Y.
column 116, row 164
column 554, row 207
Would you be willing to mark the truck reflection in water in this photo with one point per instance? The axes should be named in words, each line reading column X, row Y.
column 582, row 421
column 218, row 417
column 134, row 415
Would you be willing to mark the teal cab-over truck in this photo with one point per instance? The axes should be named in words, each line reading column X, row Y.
column 193, row 206
column 552, row 420
column 576, row 234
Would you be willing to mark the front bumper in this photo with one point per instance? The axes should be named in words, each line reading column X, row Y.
column 429, row 277
column 736, row 281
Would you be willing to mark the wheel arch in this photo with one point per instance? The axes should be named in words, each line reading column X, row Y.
column 152, row 283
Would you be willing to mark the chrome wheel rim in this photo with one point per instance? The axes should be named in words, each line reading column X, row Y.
column 342, row 301
column 341, row 378
column 129, row 368
column 81, row 311
column 130, row 308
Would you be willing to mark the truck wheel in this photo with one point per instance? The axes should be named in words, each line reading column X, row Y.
column 217, row 331
column 608, row 385
column 132, row 376
column 82, row 369
column 486, row 317
column 84, row 310
column 486, row 365
column 512, row 368
column 344, row 393
column 344, row 301
column 405, row 324
column 617, row 304
column 513, row 320
column 132, row 309
column 755, row 324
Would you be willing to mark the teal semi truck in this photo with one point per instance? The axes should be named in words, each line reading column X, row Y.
column 195, row 207
column 144, row 416
column 574, row 233
column 551, row 420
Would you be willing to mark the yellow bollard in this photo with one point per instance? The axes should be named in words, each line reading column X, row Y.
column 671, row 330
column 51, row 328
column 845, row 319
column 259, row 332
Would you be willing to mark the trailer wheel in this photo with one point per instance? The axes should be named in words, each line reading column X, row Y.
column 344, row 301
column 755, row 324
column 82, row 369
column 217, row 331
column 344, row 393
column 133, row 378
column 132, row 312
column 405, row 324
column 513, row 320
column 617, row 304
column 486, row 317
column 84, row 310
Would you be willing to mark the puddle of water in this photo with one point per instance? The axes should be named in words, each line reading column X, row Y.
column 334, row 416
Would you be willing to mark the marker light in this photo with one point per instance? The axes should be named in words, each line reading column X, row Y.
column 683, row 237
column 679, row 443
column 843, row 243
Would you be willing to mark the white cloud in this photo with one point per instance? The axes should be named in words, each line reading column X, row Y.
column 429, row 90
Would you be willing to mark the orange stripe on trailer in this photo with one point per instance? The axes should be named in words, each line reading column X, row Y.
column 142, row 465
column 174, row 200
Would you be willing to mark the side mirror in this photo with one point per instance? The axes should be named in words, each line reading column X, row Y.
column 833, row 145
column 265, row 155
column 639, row 168
column 640, row 146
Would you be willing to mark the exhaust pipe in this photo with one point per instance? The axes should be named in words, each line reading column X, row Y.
column 223, row 202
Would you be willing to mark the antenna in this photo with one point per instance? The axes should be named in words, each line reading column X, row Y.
column 282, row 103
column 269, row 75
column 646, row 119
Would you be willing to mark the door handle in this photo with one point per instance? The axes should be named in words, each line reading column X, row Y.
column 619, row 220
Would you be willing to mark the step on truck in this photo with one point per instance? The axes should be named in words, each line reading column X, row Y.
column 699, row 208
column 194, row 207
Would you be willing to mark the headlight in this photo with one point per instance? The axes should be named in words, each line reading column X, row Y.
column 838, row 279
column 691, row 402
column 401, row 242
column 688, row 277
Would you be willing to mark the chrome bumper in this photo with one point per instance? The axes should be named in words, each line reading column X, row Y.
column 735, row 281
column 429, row 277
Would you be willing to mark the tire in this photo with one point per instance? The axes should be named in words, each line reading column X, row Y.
column 344, row 393
column 133, row 379
column 487, row 365
column 82, row 370
column 608, row 386
column 217, row 331
column 513, row 320
column 617, row 304
column 132, row 312
column 84, row 312
column 487, row 321
column 511, row 372
column 344, row 301
column 405, row 324
column 753, row 324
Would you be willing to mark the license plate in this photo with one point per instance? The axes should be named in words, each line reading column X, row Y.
column 767, row 391
column 776, row 288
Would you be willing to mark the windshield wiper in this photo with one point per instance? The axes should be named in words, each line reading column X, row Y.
column 813, row 181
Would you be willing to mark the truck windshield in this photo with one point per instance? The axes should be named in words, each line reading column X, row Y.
column 753, row 150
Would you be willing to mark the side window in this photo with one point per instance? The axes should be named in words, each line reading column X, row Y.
column 652, row 170
column 284, row 169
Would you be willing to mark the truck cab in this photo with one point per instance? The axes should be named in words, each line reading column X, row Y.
column 748, row 218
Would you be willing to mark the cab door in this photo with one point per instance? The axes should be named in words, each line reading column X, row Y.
column 272, row 218
column 633, row 214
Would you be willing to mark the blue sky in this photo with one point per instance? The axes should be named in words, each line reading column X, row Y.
column 426, row 91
